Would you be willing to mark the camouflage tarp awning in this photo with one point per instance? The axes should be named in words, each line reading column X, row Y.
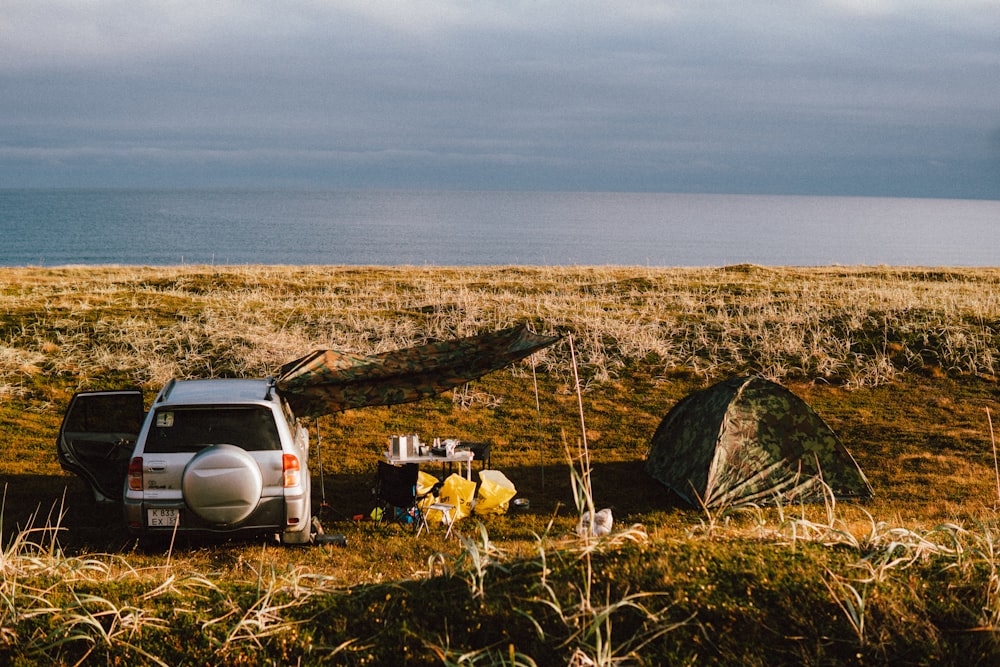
column 327, row 381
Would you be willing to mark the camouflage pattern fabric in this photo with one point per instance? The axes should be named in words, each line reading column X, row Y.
column 327, row 381
column 748, row 440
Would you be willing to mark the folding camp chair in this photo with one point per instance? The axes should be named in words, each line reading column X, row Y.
column 397, row 499
column 447, row 513
column 396, row 493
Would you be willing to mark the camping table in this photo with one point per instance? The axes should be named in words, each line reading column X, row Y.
column 460, row 457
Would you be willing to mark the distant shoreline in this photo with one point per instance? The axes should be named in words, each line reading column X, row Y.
column 431, row 267
column 487, row 228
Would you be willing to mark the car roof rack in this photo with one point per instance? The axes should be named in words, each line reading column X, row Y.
column 167, row 389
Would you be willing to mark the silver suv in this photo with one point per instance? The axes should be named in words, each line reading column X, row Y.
column 210, row 456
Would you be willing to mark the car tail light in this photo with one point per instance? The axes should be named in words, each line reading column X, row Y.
column 290, row 468
column 135, row 474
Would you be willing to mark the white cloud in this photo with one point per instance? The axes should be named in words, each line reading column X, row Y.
column 49, row 33
column 906, row 7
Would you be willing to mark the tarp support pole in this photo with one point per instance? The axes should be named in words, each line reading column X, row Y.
column 319, row 455
column 579, row 401
column 585, row 472
column 538, row 414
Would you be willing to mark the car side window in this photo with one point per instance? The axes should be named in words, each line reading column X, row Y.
column 190, row 429
column 113, row 413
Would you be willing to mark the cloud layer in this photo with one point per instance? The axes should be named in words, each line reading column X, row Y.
column 835, row 97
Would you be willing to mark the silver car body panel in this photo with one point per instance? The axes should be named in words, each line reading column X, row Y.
column 285, row 510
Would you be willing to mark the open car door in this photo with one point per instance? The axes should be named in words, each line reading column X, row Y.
column 97, row 436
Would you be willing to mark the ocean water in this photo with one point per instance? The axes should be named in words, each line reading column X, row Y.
column 447, row 228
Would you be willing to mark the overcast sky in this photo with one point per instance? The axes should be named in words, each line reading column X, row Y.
column 867, row 97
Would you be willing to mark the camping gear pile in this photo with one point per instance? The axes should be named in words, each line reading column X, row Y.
column 492, row 495
column 405, row 494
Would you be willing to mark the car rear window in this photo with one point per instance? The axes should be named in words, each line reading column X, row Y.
column 180, row 429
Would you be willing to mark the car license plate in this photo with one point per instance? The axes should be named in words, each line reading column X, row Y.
column 159, row 518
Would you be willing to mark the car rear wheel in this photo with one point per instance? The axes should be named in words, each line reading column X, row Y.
column 222, row 484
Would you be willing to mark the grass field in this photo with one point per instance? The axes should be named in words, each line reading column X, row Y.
column 901, row 362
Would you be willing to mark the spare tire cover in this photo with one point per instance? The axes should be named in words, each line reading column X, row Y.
column 222, row 484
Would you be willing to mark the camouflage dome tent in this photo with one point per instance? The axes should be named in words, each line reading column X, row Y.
column 748, row 440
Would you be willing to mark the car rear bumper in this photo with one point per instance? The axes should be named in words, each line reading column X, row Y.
column 272, row 515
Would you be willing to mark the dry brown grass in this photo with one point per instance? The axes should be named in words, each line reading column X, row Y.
column 852, row 326
column 901, row 362
column 884, row 353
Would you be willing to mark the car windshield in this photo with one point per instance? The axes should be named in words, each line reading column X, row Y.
column 189, row 429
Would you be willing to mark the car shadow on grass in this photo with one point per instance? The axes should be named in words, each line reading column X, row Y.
column 40, row 507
